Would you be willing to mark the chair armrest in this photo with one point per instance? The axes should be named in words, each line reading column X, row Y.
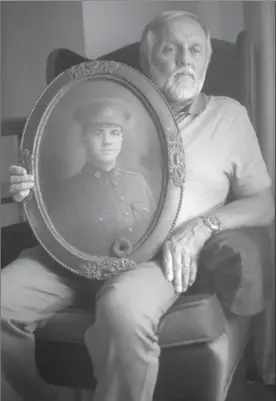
column 241, row 269
column 14, row 239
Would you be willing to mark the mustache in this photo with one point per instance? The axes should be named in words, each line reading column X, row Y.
column 184, row 71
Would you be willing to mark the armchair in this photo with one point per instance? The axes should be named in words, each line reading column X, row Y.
column 205, row 361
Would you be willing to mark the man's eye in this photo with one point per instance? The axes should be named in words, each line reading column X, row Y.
column 98, row 133
column 115, row 133
column 195, row 50
column 168, row 50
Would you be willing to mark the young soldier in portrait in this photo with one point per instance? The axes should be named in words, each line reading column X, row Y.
column 103, row 203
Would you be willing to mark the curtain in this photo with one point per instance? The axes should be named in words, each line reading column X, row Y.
column 259, row 21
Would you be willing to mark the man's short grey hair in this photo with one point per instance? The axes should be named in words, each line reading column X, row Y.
column 163, row 19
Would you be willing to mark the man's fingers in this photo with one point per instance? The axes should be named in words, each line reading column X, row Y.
column 185, row 277
column 15, row 188
column 167, row 262
column 177, row 269
column 21, row 195
column 186, row 269
column 193, row 272
column 21, row 182
column 17, row 170
column 21, row 178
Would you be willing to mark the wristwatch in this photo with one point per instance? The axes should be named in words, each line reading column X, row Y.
column 212, row 222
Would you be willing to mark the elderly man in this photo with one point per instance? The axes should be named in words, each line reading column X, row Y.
column 102, row 203
column 222, row 155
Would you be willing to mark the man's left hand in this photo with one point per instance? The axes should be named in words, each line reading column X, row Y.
column 181, row 252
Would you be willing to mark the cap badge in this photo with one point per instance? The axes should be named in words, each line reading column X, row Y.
column 108, row 111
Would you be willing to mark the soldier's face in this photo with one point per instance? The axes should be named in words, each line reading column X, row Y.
column 179, row 59
column 103, row 142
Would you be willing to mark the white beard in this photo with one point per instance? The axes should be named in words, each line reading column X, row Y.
column 181, row 90
column 177, row 90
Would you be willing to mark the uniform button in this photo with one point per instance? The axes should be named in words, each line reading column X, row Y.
column 122, row 198
column 145, row 209
column 97, row 174
column 126, row 214
column 101, row 218
column 130, row 229
column 115, row 184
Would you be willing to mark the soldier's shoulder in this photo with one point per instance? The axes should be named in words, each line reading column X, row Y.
column 73, row 179
column 136, row 178
column 129, row 173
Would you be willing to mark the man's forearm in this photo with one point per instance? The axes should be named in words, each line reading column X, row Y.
column 257, row 210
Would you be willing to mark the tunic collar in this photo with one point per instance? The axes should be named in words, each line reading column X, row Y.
column 90, row 170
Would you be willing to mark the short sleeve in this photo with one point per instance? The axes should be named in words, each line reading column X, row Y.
column 250, row 173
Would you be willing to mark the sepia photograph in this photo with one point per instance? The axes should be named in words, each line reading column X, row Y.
column 137, row 166
column 103, row 181
column 108, row 165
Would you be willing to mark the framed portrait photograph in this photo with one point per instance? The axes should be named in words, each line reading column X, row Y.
column 109, row 169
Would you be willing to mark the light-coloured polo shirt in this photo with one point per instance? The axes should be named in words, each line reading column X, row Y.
column 222, row 154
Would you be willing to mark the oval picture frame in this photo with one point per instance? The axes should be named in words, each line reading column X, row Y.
column 77, row 109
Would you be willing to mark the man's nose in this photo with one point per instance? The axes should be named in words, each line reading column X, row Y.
column 183, row 57
column 106, row 138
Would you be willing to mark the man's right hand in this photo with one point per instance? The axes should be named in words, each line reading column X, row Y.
column 21, row 182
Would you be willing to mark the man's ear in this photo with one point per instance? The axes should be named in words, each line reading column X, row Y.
column 144, row 64
column 145, row 55
column 83, row 137
column 83, row 131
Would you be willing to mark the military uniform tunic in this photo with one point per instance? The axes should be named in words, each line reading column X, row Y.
column 95, row 207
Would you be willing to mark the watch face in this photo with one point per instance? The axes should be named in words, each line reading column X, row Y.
column 214, row 223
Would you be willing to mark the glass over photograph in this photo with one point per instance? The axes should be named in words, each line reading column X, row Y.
column 100, row 168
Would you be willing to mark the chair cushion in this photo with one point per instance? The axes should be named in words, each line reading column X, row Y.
column 66, row 364
column 239, row 263
column 214, row 363
column 192, row 319
column 184, row 323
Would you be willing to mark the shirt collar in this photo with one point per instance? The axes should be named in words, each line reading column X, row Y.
column 196, row 107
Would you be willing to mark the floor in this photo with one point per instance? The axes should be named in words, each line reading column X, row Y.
column 256, row 392
column 251, row 392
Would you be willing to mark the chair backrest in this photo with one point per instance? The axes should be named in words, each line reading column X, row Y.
column 227, row 73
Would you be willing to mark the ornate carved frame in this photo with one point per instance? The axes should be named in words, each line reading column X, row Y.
column 90, row 266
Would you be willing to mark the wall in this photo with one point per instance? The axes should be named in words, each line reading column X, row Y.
column 112, row 24
column 259, row 18
column 223, row 18
column 29, row 32
column 260, row 23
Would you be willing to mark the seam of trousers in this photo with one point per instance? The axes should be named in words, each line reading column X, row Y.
column 146, row 372
column 156, row 324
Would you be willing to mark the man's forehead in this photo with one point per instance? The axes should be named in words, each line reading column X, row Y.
column 181, row 27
